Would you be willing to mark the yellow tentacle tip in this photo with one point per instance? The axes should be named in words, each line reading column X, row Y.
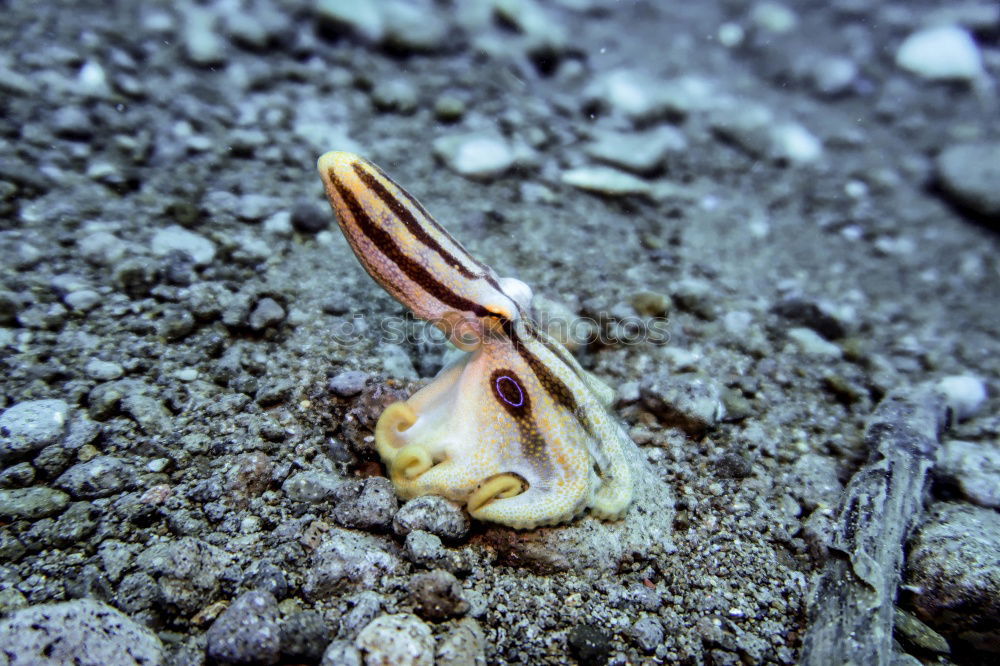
column 499, row 487
column 410, row 462
column 396, row 419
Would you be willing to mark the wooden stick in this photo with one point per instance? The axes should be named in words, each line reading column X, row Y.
column 851, row 608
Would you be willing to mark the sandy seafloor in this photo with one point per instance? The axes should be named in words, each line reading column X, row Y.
column 174, row 286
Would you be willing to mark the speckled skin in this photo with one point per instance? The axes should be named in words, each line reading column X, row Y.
column 515, row 428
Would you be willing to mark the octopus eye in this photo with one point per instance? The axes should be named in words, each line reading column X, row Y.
column 509, row 391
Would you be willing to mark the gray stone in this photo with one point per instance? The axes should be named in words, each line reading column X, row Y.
column 817, row 315
column 200, row 39
column 953, row 574
column 101, row 248
column 254, row 207
column 32, row 503
column 941, row 53
column 813, row 482
column 348, row 384
column 11, row 548
column 479, row 156
column 641, row 152
column 363, row 19
column 437, row 595
column 426, row 550
column 412, row 27
column 970, row 175
column 53, row 460
column 175, row 237
column 103, row 371
column 82, row 632
column 647, row 634
column 367, row 504
column 310, row 486
column 72, row 122
column 341, row 653
column 833, row 75
column 17, row 476
column 83, row 300
column 99, row 477
column 309, row 218
column 397, row 95
column 973, row 468
column 149, row 412
column 589, row 644
column 347, row 560
column 77, row 523
column 304, row 636
column 138, row 592
column 268, row 312
column 811, row 343
column 248, row 632
column 964, row 395
column 188, row 572
column 365, row 607
column 43, row 317
column 606, row 181
column 396, row 362
column 32, row 425
column 689, row 402
column 176, row 324
column 464, row 645
column 434, row 514
column 401, row 639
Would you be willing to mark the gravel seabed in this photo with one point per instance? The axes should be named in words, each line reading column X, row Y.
column 763, row 216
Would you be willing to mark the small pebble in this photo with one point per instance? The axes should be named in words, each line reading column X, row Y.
column 589, row 644
column 367, row 504
column 31, row 425
column 248, row 632
column 969, row 175
column 640, row 152
column 175, row 237
column 82, row 631
column 464, row 645
column 311, row 486
column 689, row 402
column 941, row 53
column 479, row 156
column 102, row 248
column 341, row 653
column 401, row 639
column 348, row 384
column 268, row 312
column 973, row 468
column 647, row 632
column 437, row 595
column 964, row 394
column 605, row 180
column 396, row 95
column 31, row 503
column 200, row 39
column 433, row 514
column 812, row 343
column 100, row 477
column 309, row 218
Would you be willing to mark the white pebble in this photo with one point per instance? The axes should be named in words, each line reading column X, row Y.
column 964, row 394
column 176, row 237
column 402, row 639
column 812, row 343
column 941, row 53
column 475, row 156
